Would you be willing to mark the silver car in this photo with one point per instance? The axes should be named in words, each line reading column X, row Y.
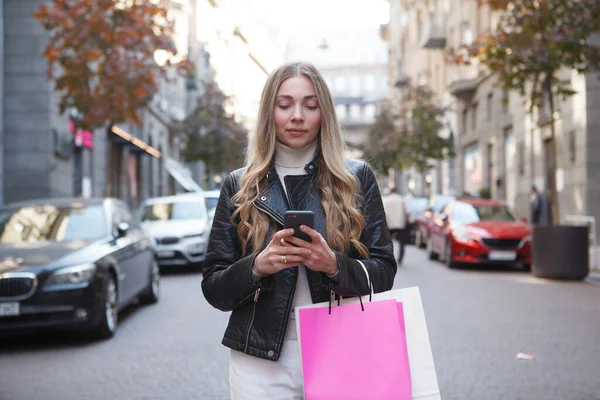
column 211, row 198
column 180, row 227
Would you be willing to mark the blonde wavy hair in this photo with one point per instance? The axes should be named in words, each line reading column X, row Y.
column 338, row 187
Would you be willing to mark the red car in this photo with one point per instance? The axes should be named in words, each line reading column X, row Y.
column 477, row 231
column 427, row 216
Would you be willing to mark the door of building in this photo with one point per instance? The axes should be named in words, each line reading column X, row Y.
column 77, row 172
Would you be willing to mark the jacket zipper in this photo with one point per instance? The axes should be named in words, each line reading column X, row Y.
column 251, row 318
column 269, row 213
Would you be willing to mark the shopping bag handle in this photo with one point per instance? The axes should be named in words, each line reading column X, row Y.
column 369, row 282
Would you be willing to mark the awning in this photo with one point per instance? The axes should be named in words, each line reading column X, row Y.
column 182, row 175
column 136, row 145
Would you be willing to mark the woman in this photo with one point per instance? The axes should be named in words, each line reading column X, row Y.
column 258, row 270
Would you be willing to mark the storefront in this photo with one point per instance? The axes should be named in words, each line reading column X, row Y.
column 132, row 163
column 126, row 153
column 82, row 160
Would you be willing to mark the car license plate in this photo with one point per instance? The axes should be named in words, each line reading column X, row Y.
column 166, row 254
column 9, row 309
column 502, row 255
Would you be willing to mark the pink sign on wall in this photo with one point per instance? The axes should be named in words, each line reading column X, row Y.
column 82, row 138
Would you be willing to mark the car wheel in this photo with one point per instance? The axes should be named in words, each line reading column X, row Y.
column 109, row 317
column 152, row 293
column 448, row 255
column 430, row 253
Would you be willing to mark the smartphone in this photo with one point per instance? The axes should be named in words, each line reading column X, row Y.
column 295, row 218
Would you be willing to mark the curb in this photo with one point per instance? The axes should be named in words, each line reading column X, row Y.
column 594, row 278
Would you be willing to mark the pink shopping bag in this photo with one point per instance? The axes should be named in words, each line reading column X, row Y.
column 354, row 354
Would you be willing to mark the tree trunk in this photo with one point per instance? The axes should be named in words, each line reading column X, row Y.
column 554, row 215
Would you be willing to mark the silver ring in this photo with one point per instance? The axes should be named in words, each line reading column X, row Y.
column 283, row 260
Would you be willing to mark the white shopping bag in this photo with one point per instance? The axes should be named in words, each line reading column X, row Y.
column 420, row 358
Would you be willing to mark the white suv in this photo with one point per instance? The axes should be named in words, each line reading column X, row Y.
column 179, row 226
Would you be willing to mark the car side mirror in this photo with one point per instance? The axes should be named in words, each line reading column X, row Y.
column 122, row 229
column 444, row 217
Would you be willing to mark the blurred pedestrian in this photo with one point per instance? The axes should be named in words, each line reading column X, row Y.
column 540, row 214
column 259, row 271
column 397, row 218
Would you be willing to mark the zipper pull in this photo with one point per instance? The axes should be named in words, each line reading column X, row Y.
column 256, row 295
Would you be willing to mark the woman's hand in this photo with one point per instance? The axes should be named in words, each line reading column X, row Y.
column 321, row 257
column 279, row 255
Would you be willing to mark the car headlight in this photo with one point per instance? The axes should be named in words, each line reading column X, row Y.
column 463, row 236
column 194, row 235
column 72, row 275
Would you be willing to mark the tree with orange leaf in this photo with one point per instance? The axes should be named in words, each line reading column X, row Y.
column 533, row 41
column 101, row 56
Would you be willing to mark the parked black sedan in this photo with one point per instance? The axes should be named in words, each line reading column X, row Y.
column 72, row 263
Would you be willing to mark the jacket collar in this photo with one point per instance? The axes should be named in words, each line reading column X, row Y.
column 272, row 200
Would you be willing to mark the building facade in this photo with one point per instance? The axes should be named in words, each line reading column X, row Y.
column 500, row 145
column 416, row 58
column 42, row 156
column 354, row 65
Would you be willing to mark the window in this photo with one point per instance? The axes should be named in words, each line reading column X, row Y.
column 521, row 153
column 370, row 111
column 355, row 111
column 572, row 150
column 419, row 26
column 440, row 202
column 370, row 83
column 490, row 106
column 383, row 82
column 340, row 84
column 50, row 223
column 173, row 211
column 448, row 209
column 465, row 120
column 355, row 85
column 122, row 214
column 340, row 110
column 469, row 213
column 505, row 101
column 466, row 34
column 474, row 117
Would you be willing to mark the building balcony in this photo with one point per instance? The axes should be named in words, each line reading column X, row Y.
column 435, row 39
column 463, row 81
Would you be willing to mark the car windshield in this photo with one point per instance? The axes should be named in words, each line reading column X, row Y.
column 416, row 204
column 211, row 203
column 468, row 213
column 440, row 202
column 173, row 211
column 49, row 223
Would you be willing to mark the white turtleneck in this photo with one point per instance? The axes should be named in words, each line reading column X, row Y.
column 291, row 161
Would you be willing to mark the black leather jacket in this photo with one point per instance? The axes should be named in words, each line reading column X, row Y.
column 261, row 310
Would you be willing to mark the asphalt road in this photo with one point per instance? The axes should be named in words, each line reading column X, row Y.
column 478, row 321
